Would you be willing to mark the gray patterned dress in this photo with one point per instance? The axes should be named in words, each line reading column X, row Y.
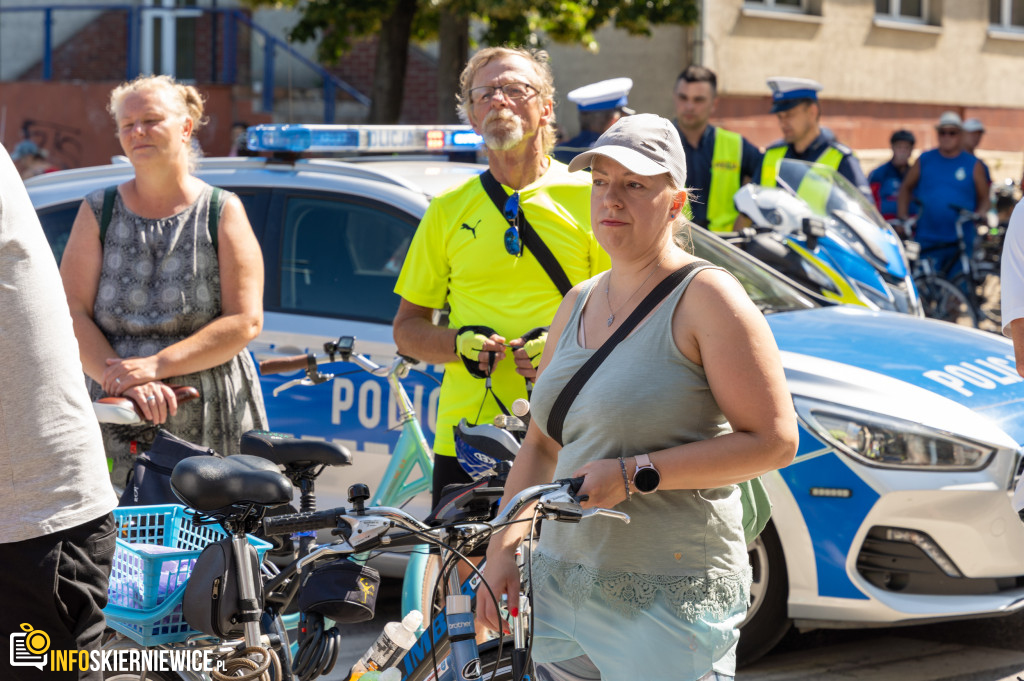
column 159, row 284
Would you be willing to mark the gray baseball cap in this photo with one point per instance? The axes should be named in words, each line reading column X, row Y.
column 646, row 144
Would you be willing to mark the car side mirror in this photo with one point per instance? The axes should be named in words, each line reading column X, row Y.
column 813, row 229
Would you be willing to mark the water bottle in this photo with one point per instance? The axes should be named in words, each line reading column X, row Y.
column 389, row 647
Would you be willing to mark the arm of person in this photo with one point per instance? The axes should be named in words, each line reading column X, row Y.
column 907, row 187
column 241, row 281
column 417, row 336
column 1016, row 329
column 734, row 344
column 534, row 465
column 850, row 168
column 981, row 185
column 80, row 273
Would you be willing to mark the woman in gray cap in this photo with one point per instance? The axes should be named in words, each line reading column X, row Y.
column 690, row 403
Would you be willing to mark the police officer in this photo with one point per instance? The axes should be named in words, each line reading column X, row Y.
column 718, row 161
column 795, row 104
column 600, row 104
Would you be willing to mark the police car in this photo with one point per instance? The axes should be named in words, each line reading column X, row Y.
column 897, row 506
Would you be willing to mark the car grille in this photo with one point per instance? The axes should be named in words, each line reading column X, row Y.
column 904, row 567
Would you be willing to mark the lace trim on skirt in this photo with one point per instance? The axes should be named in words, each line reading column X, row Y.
column 628, row 593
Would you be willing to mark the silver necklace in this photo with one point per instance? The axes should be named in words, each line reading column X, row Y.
column 608, row 282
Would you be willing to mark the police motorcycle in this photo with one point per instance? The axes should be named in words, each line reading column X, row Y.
column 820, row 231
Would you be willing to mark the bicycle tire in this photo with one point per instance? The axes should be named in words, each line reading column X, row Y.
column 986, row 291
column 942, row 300
column 500, row 670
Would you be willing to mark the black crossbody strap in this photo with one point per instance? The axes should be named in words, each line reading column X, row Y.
column 556, row 419
column 109, row 194
column 528, row 234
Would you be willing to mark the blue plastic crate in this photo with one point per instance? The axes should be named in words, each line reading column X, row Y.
column 157, row 547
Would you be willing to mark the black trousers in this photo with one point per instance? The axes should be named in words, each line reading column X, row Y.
column 57, row 584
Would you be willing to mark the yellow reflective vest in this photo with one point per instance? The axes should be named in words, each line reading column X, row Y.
column 726, row 160
column 814, row 193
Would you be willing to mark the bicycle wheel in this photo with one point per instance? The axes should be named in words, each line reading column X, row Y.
column 987, row 292
column 500, row 669
column 942, row 300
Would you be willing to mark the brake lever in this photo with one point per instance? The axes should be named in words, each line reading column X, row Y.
column 306, row 381
column 618, row 515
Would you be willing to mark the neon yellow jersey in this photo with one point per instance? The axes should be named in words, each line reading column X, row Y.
column 458, row 256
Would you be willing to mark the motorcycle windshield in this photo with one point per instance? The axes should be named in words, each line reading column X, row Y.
column 857, row 221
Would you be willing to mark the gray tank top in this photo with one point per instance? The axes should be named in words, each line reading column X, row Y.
column 685, row 544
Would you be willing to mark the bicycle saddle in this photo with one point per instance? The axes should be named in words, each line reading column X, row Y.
column 285, row 450
column 210, row 483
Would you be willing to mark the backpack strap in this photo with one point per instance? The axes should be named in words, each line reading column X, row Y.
column 214, row 216
column 212, row 219
column 560, row 408
column 531, row 239
column 109, row 194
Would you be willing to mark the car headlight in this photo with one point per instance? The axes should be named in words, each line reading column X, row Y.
column 882, row 440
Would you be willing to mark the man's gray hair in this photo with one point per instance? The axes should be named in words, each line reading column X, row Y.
column 545, row 83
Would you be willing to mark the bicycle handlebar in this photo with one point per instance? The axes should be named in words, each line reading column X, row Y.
column 126, row 411
column 558, row 500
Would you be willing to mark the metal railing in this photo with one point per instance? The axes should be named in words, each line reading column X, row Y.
column 225, row 22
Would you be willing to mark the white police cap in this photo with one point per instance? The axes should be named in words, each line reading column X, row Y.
column 606, row 94
column 788, row 92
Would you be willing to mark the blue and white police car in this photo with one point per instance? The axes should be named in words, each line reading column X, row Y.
column 897, row 507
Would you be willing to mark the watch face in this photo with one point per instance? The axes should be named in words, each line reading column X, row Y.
column 646, row 480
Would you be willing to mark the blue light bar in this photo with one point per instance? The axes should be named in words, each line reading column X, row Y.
column 362, row 138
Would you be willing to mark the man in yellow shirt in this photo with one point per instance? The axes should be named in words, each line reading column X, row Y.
column 482, row 260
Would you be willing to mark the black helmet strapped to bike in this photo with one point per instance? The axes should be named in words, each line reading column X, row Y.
column 902, row 136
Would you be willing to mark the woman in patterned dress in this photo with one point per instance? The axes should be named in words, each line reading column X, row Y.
column 161, row 301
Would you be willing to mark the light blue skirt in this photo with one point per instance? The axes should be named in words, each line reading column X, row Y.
column 656, row 645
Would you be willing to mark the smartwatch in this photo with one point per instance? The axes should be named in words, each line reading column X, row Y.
column 646, row 477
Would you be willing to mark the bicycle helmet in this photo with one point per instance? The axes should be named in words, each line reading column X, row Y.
column 480, row 448
column 902, row 136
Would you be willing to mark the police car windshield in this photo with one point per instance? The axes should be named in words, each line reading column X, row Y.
column 769, row 291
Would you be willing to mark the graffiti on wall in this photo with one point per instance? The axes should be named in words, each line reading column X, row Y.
column 56, row 144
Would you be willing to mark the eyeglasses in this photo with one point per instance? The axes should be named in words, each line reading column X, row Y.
column 513, row 242
column 949, row 132
column 513, row 92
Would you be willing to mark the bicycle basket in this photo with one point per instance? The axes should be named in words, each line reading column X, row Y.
column 157, row 547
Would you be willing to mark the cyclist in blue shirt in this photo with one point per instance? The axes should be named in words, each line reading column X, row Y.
column 941, row 178
column 973, row 131
column 885, row 180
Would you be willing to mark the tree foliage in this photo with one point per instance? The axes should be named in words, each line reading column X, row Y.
column 337, row 24
column 522, row 22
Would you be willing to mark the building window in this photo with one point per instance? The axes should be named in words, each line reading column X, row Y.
column 1006, row 13
column 777, row 4
column 914, row 10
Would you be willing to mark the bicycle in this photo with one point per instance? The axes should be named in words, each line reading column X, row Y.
column 411, row 454
column 960, row 290
column 424, row 570
column 254, row 486
column 454, row 653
